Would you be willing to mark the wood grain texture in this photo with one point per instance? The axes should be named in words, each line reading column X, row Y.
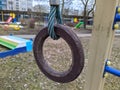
column 101, row 43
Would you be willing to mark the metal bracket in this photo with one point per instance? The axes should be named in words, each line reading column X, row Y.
column 55, row 2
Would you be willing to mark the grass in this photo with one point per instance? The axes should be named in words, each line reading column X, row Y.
column 20, row 72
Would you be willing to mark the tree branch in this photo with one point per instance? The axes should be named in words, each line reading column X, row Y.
column 91, row 8
column 83, row 2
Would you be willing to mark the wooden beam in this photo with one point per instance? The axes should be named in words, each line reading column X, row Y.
column 101, row 43
column 2, row 14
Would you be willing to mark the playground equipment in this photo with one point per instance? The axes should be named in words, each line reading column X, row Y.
column 111, row 70
column 69, row 36
column 13, row 19
column 7, row 21
column 15, row 44
column 76, row 49
column 11, row 22
column 105, row 23
column 116, row 18
column 75, row 20
column 108, row 68
column 79, row 24
column 13, row 16
column 10, row 19
column 14, row 26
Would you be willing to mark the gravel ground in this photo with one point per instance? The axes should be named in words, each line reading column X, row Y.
column 20, row 72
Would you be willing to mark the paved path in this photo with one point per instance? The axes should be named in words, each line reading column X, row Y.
column 33, row 36
column 79, row 35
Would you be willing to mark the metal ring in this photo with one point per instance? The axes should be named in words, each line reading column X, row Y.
column 77, row 54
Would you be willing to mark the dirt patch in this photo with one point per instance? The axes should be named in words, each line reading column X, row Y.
column 23, row 31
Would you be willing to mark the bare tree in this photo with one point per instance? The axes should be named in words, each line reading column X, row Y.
column 63, row 2
column 65, row 6
column 37, row 8
column 88, row 8
column 40, row 8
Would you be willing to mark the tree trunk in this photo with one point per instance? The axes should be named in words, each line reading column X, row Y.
column 62, row 7
column 85, row 17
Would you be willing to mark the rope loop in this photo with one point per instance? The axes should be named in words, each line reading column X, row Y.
column 54, row 13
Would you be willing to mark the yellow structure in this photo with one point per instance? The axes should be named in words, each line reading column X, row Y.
column 75, row 20
column 12, row 15
column 15, row 27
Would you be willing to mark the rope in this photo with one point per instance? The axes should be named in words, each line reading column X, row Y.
column 54, row 13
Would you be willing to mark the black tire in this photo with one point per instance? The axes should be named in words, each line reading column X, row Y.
column 77, row 54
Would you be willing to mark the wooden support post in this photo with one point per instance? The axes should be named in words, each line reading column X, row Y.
column 101, row 43
column 2, row 14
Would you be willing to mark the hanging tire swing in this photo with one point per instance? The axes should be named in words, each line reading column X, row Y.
column 76, row 48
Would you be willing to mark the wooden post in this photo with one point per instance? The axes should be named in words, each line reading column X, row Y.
column 101, row 43
column 2, row 15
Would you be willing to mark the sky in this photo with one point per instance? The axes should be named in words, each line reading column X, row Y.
column 76, row 4
column 36, row 2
